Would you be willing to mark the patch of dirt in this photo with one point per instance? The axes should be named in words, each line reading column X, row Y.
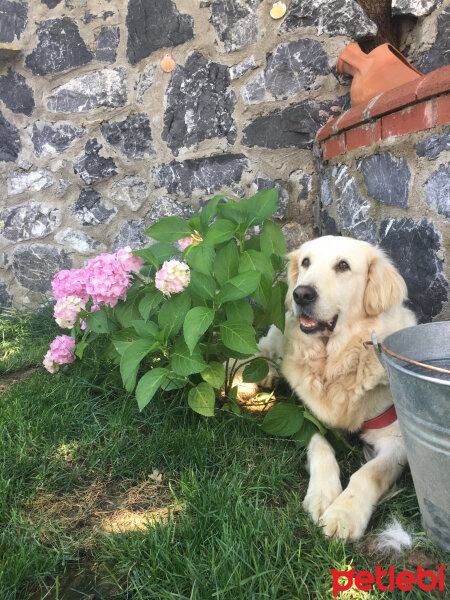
column 9, row 379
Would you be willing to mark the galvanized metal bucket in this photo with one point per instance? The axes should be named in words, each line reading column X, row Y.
column 422, row 401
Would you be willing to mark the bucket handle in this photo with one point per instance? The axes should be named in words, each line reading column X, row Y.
column 378, row 346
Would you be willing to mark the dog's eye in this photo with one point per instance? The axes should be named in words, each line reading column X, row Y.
column 305, row 263
column 342, row 266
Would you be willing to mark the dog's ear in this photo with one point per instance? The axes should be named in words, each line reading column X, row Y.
column 385, row 286
column 292, row 275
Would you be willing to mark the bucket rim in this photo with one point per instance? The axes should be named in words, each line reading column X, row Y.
column 395, row 363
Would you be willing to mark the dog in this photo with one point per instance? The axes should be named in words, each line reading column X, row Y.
column 339, row 291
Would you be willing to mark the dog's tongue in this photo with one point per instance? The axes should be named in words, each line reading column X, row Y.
column 307, row 322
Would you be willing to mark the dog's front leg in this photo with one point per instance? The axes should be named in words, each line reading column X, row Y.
column 350, row 513
column 324, row 483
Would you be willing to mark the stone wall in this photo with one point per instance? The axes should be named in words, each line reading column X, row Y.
column 97, row 142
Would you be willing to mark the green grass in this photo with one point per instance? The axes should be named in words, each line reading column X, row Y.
column 76, row 458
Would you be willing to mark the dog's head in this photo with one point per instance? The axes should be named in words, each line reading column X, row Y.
column 338, row 280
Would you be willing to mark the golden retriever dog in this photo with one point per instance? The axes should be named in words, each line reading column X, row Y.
column 340, row 290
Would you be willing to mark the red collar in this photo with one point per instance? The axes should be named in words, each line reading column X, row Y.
column 383, row 420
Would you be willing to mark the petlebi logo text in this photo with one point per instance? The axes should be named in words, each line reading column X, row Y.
column 388, row 580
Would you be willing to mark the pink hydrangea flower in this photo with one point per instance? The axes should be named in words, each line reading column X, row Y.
column 60, row 353
column 185, row 243
column 94, row 307
column 49, row 364
column 67, row 309
column 172, row 277
column 107, row 280
column 129, row 261
column 70, row 283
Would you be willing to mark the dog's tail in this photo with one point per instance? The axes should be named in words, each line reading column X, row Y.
column 394, row 538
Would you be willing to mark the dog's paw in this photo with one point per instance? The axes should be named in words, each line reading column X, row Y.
column 317, row 502
column 344, row 520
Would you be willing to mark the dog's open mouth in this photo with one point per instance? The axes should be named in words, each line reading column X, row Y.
column 309, row 325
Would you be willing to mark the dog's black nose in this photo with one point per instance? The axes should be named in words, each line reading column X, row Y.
column 304, row 294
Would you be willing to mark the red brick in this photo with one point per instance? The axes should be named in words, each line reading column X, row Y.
column 415, row 118
column 351, row 117
column 443, row 109
column 364, row 135
column 436, row 82
column 327, row 130
column 395, row 98
column 334, row 146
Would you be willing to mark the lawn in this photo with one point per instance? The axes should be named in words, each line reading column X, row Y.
column 101, row 501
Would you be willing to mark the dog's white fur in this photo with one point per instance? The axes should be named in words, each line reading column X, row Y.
column 340, row 380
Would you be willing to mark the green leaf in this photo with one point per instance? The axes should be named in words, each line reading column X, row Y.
column 145, row 330
column 253, row 243
column 131, row 359
column 200, row 258
column 233, row 212
column 202, row 399
column 169, row 229
column 263, row 317
column 239, row 335
column 239, row 286
column 222, row 349
column 151, row 299
column 214, row 374
column 263, row 292
column 173, row 312
column 277, row 308
column 123, row 338
column 303, row 436
column 148, row 256
column 261, row 206
column 272, row 239
column 315, row 421
column 239, row 309
column 195, row 222
column 220, row 231
column 185, row 363
column 196, row 322
column 173, row 382
column 226, row 262
column 283, row 419
column 255, row 371
column 148, row 386
column 252, row 260
column 127, row 312
column 98, row 321
column 162, row 251
column 203, row 285
column 209, row 211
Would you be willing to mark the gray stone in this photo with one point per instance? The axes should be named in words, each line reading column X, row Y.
column 242, row 68
column 33, row 220
column 155, row 24
column 24, row 164
column 291, row 68
column 328, row 225
column 235, row 22
column 416, row 8
column 206, row 174
column 91, row 166
column 35, row 266
column 19, row 181
column 16, row 93
column 168, row 207
column 436, row 191
column 52, row 138
column 5, row 298
column 433, row 146
column 76, row 3
column 439, row 53
column 88, row 18
column 199, row 104
column 414, row 247
column 294, row 236
column 51, row 3
column 144, row 82
column 63, row 184
column 101, row 89
column 326, row 193
column 295, row 125
column 78, row 241
column 262, row 183
column 130, row 234
column 60, row 47
column 387, row 178
column 132, row 137
column 351, row 208
column 13, row 19
column 131, row 190
column 90, row 210
column 10, row 144
column 107, row 43
column 336, row 17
